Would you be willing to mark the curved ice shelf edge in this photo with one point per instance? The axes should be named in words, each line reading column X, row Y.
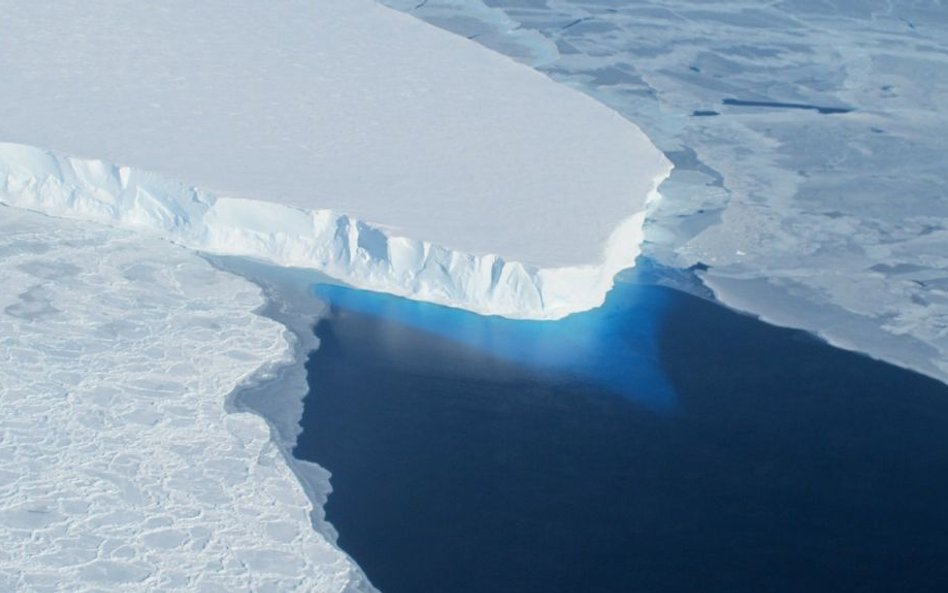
column 358, row 253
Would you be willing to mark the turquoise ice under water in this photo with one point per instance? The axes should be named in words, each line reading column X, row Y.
column 614, row 347
column 662, row 444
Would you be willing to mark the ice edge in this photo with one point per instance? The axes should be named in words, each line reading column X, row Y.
column 285, row 380
column 359, row 253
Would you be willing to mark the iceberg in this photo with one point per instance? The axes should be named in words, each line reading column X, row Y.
column 340, row 135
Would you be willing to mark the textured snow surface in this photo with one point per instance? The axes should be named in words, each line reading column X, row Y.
column 832, row 222
column 119, row 468
column 429, row 141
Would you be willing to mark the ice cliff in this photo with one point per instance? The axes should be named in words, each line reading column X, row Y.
column 339, row 135
column 364, row 255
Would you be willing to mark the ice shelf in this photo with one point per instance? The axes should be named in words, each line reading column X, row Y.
column 339, row 135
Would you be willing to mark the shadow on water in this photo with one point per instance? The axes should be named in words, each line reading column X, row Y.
column 469, row 457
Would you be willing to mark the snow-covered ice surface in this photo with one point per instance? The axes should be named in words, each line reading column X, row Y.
column 339, row 135
column 828, row 212
column 120, row 469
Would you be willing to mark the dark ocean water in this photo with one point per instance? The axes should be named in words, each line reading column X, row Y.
column 660, row 444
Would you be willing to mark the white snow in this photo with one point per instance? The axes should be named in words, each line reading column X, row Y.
column 120, row 469
column 339, row 135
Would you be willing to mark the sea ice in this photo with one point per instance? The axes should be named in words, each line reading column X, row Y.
column 120, row 468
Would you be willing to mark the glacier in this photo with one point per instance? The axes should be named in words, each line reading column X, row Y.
column 121, row 468
column 342, row 136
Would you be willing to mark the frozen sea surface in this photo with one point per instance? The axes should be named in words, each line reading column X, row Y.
column 120, row 467
column 816, row 197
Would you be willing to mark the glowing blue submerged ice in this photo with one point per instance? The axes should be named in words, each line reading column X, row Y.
column 615, row 346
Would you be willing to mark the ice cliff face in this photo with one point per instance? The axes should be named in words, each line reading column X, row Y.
column 358, row 253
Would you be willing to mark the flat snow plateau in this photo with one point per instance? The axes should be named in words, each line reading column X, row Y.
column 120, row 469
column 338, row 135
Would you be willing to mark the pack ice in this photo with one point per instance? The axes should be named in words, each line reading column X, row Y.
column 120, row 468
column 338, row 135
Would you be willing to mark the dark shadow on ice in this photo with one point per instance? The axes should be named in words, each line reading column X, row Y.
column 778, row 105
